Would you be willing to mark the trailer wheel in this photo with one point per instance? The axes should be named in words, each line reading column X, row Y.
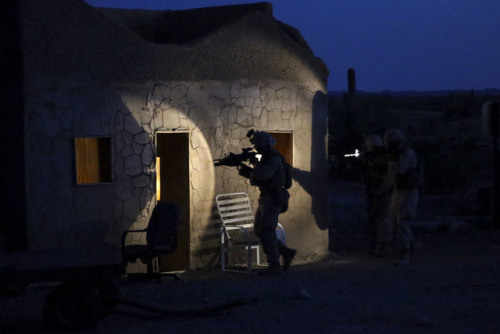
column 72, row 306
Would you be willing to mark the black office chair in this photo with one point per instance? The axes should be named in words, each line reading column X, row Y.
column 161, row 238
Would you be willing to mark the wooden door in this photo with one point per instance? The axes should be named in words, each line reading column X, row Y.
column 173, row 185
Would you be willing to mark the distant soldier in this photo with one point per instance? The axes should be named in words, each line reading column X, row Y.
column 378, row 194
column 405, row 196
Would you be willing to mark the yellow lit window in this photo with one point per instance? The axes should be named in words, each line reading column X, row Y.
column 93, row 160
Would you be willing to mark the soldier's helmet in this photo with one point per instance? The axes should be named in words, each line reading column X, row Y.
column 262, row 139
column 394, row 138
column 372, row 142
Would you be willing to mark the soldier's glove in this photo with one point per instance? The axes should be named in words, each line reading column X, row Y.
column 253, row 159
column 245, row 171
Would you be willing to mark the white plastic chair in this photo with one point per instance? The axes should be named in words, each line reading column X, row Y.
column 236, row 215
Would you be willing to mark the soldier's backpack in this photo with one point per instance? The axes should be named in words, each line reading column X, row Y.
column 285, row 195
column 288, row 174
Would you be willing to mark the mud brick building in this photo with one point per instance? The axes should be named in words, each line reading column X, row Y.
column 106, row 111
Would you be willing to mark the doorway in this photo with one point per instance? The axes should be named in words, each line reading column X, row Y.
column 172, row 185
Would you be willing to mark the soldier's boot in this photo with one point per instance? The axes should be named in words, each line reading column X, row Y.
column 380, row 249
column 272, row 270
column 414, row 247
column 405, row 258
column 288, row 256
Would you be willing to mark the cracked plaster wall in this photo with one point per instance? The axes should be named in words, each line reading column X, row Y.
column 217, row 116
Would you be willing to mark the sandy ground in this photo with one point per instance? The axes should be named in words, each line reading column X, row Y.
column 453, row 286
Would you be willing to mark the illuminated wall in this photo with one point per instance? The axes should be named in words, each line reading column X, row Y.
column 217, row 116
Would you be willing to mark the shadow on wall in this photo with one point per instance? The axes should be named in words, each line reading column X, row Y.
column 315, row 182
column 13, row 228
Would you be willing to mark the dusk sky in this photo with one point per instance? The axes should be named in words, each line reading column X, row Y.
column 392, row 44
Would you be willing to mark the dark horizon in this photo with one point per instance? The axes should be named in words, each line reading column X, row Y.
column 478, row 92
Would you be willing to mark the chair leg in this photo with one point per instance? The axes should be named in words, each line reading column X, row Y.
column 150, row 267
column 222, row 251
column 157, row 274
column 249, row 263
column 222, row 257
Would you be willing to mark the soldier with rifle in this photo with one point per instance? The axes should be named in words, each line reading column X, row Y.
column 407, row 180
column 269, row 174
column 374, row 168
column 379, row 188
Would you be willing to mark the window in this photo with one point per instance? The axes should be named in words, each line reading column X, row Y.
column 284, row 144
column 93, row 160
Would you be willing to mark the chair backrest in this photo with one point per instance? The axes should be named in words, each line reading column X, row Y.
column 234, row 208
column 161, row 234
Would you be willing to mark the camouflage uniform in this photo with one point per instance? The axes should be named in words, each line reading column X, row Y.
column 269, row 175
column 378, row 194
column 405, row 196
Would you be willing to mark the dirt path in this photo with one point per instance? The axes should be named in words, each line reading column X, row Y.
column 453, row 286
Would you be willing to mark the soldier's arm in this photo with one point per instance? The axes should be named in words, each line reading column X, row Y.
column 264, row 171
column 406, row 161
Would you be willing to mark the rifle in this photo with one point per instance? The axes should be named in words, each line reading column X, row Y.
column 234, row 160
